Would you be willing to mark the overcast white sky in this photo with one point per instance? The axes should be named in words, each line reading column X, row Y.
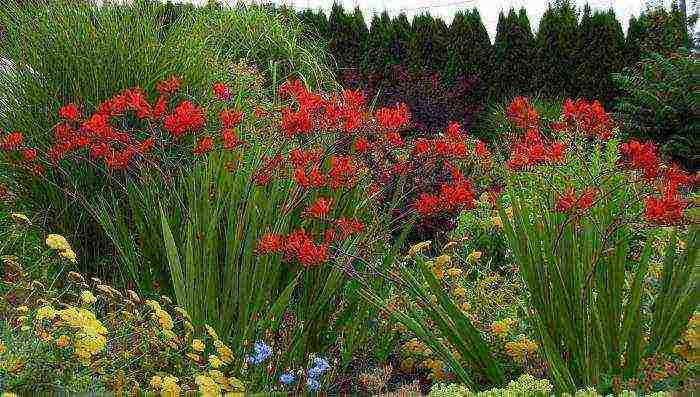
column 446, row 9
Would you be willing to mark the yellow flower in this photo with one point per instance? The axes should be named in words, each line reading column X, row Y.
column 417, row 249
column 69, row 255
column 156, row 382
column 224, row 351
column 214, row 361
column 57, row 242
column 20, row 218
column 8, row 394
column 194, row 357
column 87, row 297
column 496, row 221
column 207, row 386
column 460, row 292
column 408, row 365
column 198, row 345
column 211, row 332
column 62, row 341
column 454, row 272
column 449, row 246
column 2, row 348
column 22, row 310
column 442, row 260
column 474, row 256
column 169, row 387
column 500, row 328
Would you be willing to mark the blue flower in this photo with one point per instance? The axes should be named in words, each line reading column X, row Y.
column 321, row 363
column 262, row 352
column 312, row 385
column 287, row 378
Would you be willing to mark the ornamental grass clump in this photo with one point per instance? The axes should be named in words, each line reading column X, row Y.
column 582, row 205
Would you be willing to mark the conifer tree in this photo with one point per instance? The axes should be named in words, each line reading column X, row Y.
column 557, row 50
column 601, row 53
column 402, row 34
column 378, row 55
column 469, row 48
column 514, row 49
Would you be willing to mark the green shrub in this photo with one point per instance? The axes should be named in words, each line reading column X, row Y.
column 514, row 44
column 601, row 53
column 659, row 101
column 557, row 50
column 470, row 52
column 378, row 57
column 428, row 45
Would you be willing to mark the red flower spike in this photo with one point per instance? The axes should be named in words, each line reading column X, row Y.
column 395, row 118
column 427, row 205
column 12, row 141
column 361, row 145
column 69, row 112
column 169, row 86
column 269, row 243
column 319, row 209
column 666, row 210
column 230, row 119
column 186, row 118
column 29, row 155
column 221, row 92
column 204, row 145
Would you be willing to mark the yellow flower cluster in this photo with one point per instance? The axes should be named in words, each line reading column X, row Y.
column 90, row 334
column 60, row 244
column 689, row 346
column 521, row 349
column 162, row 318
column 501, row 327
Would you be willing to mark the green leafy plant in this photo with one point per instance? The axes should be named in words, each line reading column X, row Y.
column 659, row 101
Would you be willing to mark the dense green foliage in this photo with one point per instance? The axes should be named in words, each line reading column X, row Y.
column 514, row 44
column 469, row 50
column 557, row 50
column 659, row 101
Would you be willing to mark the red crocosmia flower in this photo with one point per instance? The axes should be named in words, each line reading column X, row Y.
column 454, row 131
column 63, row 132
column 160, row 108
column 138, row 103
column 313, row 179
column 147, row 145
column 586, row 200
column 294, row 123
column 567, row 201
column 481, row 150
column 395, row 139
column 120, row 160
column 330, row 235
column 675, row 177
column 427, row 205
column 69, row 112
column 457, row 196
column 169, row 86
column 12, row 141
column 401, row 168
column 231, row 140
column 353, row 121
column 523, row 114
column 38, row 169
column 186, row 118
column 422, row 147
column 204, row 145
column 29, row 155
column 343, row 172
column 98, row 150
column 292, row 88
column 349, row 227
column 393, row 118
column 353, row 99
column 642, row 157
column 221, row 91
column 361, row 144
column 230, row 119
column 301, row 158
column 310, row 254
column 587, row 118
column 665, row 210
column 269, row 243
column 557, row 153
column 319, row 209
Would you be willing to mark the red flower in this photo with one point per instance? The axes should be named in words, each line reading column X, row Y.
column 353, row 99
column 160, row 108
column 642, row 157
column 361, row 144
column 343, row 172
column 427, row 205
column 666, row 210
column 454, row 131
column 353, row 120
column 395, row 139
column 269, row 243
column 294, row 123
column 523, row 114
column 138, row 103
column 63, row 132
column 230, row 139
column 300, row 158
column 587, row 118
column 349, row 227
column 69, row 112
column 299, row 246
column 186, row 118
column 204, row 145
column 147, row 145
column 585, row 201
column 319, row 209
column 457, row 196
column 29, row 155
column 169, row 86
column 12, row 141
column 393, row 118
column 230, row 119
column 568, row 202
column 481, row 150
column 221, row 91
